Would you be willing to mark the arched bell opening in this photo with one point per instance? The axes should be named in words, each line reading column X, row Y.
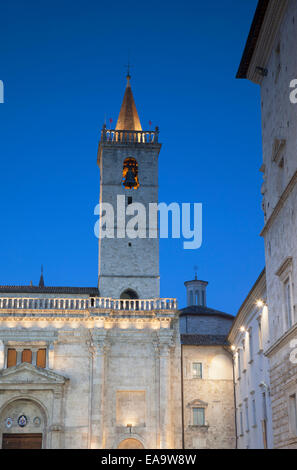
column 130, row 174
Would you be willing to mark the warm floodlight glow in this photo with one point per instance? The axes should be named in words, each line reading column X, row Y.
column 260, row 303
column 233, row 347
column 242, row 329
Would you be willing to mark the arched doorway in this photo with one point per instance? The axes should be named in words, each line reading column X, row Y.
column 129, row 294
column 130, row 444
column 22, row 425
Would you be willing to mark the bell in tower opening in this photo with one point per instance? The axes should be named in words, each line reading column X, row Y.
column 130, row 174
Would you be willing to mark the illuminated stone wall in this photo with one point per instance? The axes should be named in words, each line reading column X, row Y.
column 91, row 361
column 214, row 393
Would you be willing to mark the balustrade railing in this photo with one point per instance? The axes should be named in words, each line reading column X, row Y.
column 103, row 303
column 128, row 137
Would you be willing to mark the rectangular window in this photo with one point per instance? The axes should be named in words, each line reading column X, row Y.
column 197, row 370
column 27, row 356
column 260, row 334
column 243, row 355
column 293, row 414
column 254, row 413
column 41, row 358
column 198, row 416
column 264, row 406
column 11, row 357
column 129, row 200
column 241, row 422
column 288, row 303
column 247, row 421
column 238, row 363
column 251, row 344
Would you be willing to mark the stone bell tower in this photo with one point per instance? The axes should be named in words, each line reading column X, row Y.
column 128, row 162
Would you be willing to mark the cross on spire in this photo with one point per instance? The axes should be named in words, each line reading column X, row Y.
column 195, row 269
column 128, row 69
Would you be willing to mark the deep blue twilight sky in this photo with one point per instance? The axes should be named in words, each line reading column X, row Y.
column 63, row 67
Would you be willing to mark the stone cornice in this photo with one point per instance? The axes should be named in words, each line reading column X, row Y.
column 11, row 315
column 282, row 341
column 280, row 204
column 270, row 27
column 31, row 335
column 119, row 323
column 284, row 267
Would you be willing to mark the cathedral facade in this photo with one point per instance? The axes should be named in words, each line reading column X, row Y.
column 106, row 367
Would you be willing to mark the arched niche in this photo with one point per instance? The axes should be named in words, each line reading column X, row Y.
column 22, row 417
column 130, row 443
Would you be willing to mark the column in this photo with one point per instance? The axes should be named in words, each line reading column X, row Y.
column 34, row 356
column 2, row 355
column 98, row 387
column 165, row 398
column 50, row 355
column 19, row 355
column 57, row 427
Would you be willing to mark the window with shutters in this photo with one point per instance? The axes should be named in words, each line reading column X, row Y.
column 30, row 356
column 27, row 355
column 11, row 357
column 41, row 358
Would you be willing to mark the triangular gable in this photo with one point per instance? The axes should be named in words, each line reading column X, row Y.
column 26, row 373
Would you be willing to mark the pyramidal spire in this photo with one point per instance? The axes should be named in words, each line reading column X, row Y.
column 128, row 119
column 41, row 281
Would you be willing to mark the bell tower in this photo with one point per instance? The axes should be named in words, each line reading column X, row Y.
column 128, row 162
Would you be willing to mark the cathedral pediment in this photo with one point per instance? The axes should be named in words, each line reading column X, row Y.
column 26, row 373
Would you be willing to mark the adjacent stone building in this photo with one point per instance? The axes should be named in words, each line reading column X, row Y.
column 270, row 60
column 207, row 380
column 249, row 337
